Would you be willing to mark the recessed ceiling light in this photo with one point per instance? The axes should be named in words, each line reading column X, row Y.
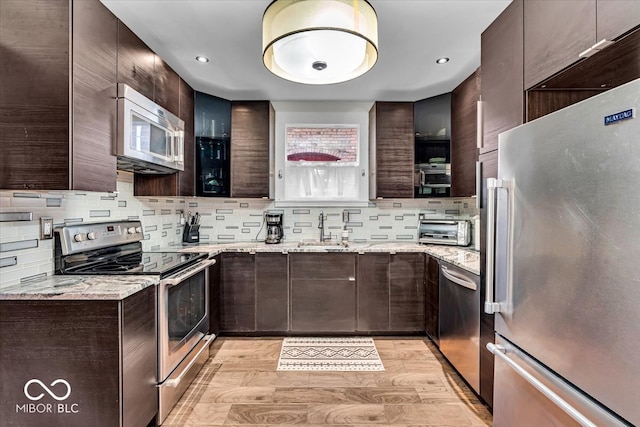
column 202, row 59
column 442, row 60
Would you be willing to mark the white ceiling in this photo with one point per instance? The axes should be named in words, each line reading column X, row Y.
column 412, row 35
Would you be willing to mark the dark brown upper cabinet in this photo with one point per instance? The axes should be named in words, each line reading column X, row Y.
column 616, row 17
column 166, row 86
column 136, row 62
column 252, row 124
column 502, row 58
column 555, row 33
column 391, row 150
column 53, row 43
column 464, row 151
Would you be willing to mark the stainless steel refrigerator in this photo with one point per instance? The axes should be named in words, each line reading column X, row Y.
column 563, row 266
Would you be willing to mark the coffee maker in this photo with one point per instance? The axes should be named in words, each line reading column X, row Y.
column 274, row 227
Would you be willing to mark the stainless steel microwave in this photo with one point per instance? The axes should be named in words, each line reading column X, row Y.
column 150, row 138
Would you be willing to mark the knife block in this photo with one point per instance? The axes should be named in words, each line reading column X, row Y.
column 191, row 234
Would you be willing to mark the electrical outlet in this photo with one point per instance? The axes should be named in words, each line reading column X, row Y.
column 46, row 228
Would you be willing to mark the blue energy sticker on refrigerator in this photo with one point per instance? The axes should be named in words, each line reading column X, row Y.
column 622, row 115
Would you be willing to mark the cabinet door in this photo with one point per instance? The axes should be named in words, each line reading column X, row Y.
column 323, row 292
column 501, row 59
column 432, row 298
column 238, row 302
column 136, row 62
column 95, row 41
column 250, row 125
column 139, row 358
column 34, row 94
column 406, row 292
column 392, row 141
column 616, row 17
column 323, row 305
column 272, row 292
column 464, row 152
column 166, row 86
column 186, row 178
column 555, row 33
column 373, row 292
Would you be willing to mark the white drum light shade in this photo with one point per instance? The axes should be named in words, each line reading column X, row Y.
column 319, row 41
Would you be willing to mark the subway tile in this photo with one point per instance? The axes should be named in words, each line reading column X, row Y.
column 224, row 211
column 244, row 205
column 53, row 203
column 220, row 217
column 151, row 228
column 165, row 211
column 8, row 261
column 34, row 278
column 148, row 212
column 122, row 203
column 251, row 224
column 18, row 245
column 301, row 211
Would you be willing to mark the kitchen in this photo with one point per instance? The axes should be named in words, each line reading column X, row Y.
column 239, row 218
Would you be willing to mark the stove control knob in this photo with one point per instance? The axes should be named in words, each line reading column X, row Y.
column 92, row 235
column 80, row 237
column 138, row 229
column 131, row 230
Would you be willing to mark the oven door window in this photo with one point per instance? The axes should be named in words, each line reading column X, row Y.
column 186, row 308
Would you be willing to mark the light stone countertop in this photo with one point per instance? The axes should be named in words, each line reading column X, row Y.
column 116, row 287
column 87, row 288
column 462, row 257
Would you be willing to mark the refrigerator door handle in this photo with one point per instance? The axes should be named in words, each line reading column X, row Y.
column 458, row 280
column 500, row 352
column 490, row 306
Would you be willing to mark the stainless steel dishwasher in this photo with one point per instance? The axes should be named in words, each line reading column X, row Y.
column 460, row 321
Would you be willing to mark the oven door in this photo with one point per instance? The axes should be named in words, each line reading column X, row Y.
column 183, row 315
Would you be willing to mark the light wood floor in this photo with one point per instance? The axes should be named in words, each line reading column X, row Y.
column 239, row 385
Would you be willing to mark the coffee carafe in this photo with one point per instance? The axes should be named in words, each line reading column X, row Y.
column 274, row 228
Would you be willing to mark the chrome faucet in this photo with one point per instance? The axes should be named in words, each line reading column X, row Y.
column 321, row 226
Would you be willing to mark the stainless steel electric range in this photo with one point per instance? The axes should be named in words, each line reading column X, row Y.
column 110, row 248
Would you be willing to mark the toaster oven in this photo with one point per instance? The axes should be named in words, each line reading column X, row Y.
column 444, row 232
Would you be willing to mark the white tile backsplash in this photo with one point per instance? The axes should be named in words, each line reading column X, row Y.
column 223, row 220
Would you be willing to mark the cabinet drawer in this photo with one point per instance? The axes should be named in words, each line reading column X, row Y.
column 323, row 266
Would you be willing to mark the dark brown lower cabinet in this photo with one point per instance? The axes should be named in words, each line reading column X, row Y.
column 406, row 292
column 323, row 292
column 238, row 296
column 79, row 363
column 432, row 297
column 272, row 292
column 373, row 292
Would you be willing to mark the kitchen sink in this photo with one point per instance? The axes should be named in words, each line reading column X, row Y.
column 331, row 244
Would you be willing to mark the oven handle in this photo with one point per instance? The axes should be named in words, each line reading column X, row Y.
column 174, row 382
column 174, row 280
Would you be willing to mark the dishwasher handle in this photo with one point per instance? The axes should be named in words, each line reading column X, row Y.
column 457, row 279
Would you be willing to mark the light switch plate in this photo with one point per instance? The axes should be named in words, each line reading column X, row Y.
column 46, row 228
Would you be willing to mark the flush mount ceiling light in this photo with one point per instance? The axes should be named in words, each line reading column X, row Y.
column 202, row 59
column 319, row 41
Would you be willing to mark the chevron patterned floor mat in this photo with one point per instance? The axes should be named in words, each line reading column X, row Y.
column 329, row 354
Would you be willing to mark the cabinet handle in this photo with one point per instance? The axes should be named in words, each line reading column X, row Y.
column 352, row 279
column 480, row 124
column 478, row 185
column 279, row 173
